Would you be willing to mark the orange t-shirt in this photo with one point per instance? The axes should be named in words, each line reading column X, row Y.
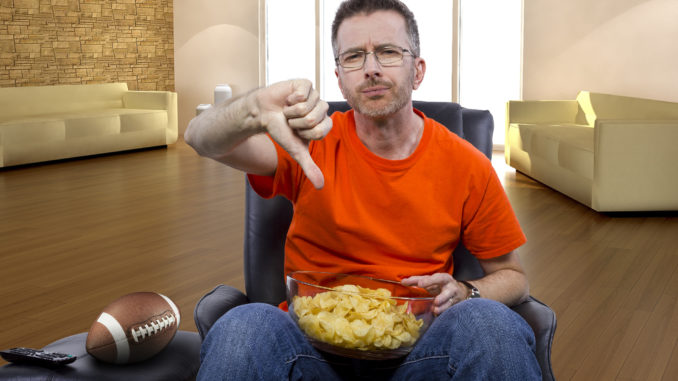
column 391, row 218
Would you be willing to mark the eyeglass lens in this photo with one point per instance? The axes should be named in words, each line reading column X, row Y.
column 386, row 56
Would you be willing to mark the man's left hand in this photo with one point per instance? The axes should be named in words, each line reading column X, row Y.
column 447, row 290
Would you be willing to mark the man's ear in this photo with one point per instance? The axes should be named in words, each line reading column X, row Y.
column 419, row 72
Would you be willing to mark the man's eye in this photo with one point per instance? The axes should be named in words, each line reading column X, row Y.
column 350, row 57
column 388, row 52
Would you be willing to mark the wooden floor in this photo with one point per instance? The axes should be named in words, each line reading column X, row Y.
column 76, row 235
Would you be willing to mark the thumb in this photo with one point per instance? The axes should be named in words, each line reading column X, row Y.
column 411, row 281
column 310, row 168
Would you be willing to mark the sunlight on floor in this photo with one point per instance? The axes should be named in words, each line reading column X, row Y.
column 504, row 171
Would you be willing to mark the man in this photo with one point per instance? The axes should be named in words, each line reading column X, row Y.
column 352, row 185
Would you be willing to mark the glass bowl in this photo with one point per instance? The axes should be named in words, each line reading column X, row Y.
column 358, row 316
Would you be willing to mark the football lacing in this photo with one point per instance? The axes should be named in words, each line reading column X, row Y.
column 152, row 328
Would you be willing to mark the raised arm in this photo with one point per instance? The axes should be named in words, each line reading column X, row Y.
column 233, row 132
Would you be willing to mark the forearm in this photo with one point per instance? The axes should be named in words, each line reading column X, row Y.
column 505, row 282
column 292, row 114
column 217, row 131
column 507, row 286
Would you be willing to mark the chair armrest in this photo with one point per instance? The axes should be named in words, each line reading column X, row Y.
column 266, row 225
column 543, row 322
column 635, row 166
column 214, row 304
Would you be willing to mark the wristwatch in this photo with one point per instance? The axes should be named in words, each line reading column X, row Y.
column 474, row 291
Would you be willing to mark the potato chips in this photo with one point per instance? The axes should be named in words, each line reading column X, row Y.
column 355, row 317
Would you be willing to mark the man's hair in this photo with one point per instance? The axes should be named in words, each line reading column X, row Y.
column 350, row 8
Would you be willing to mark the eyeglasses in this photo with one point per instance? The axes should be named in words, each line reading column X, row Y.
column 385, row 55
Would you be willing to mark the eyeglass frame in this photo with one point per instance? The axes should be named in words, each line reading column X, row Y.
column 374, row 51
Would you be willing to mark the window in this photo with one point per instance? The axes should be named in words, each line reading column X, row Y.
column 290, row 40
column 297, row 39
column 489, row 43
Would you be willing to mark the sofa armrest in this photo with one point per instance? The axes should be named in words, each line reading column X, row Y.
column 541, row 112
column 150, row 100
column 534, row 112
column 156, row 100
column 635, row 166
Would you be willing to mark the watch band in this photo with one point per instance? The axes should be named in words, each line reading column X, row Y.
column 474, row 291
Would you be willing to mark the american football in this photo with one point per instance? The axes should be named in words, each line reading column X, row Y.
column 133, row 328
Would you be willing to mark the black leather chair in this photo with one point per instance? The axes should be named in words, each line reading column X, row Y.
column 267, row 221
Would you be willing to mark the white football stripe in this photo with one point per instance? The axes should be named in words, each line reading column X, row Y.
column 119, row 337
column 174, row 307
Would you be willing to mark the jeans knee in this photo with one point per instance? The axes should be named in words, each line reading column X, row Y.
column 492, row 320
column 246, row 319
column 481, row 331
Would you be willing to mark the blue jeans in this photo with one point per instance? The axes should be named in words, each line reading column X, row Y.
column 477, row 339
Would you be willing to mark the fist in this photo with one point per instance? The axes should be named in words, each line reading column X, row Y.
column 293, row 114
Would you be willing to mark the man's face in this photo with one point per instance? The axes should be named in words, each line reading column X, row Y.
column 375, row 90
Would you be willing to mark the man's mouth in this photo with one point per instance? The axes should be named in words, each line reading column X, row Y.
column 375, row 91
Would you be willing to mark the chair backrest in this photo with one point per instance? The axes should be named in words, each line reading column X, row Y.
column 267, row 221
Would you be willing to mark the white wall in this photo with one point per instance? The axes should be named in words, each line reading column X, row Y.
column 215, row 41
column 625, row 47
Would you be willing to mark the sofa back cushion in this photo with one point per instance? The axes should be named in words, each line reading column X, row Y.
column 22, row 102
column 606, row 106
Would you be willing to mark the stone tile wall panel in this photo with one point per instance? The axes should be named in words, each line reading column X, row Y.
column 51, row 42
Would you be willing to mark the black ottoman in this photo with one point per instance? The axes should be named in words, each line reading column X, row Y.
column 180, row 360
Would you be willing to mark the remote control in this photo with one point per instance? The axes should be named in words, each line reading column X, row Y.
column 30, row 356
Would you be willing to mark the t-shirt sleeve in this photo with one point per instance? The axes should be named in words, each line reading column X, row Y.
column 492, row 229
column 281, row 183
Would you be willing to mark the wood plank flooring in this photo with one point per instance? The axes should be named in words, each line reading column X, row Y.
column 611, row 278
column 75, row 235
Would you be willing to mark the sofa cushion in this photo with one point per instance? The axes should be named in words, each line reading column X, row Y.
column 64, row 135
column 99, row 125
column 32, row 130
column 89, row 123
column 128, row 119
column 139, row 120
column 521, row 135
column 566, row 145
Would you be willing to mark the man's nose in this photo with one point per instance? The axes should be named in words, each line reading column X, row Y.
column 372, row 66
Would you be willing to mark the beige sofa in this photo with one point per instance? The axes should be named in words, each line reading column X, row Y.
column 45, row 123
column 611, row 153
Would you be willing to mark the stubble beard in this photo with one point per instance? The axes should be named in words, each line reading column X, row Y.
column 402, row 95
